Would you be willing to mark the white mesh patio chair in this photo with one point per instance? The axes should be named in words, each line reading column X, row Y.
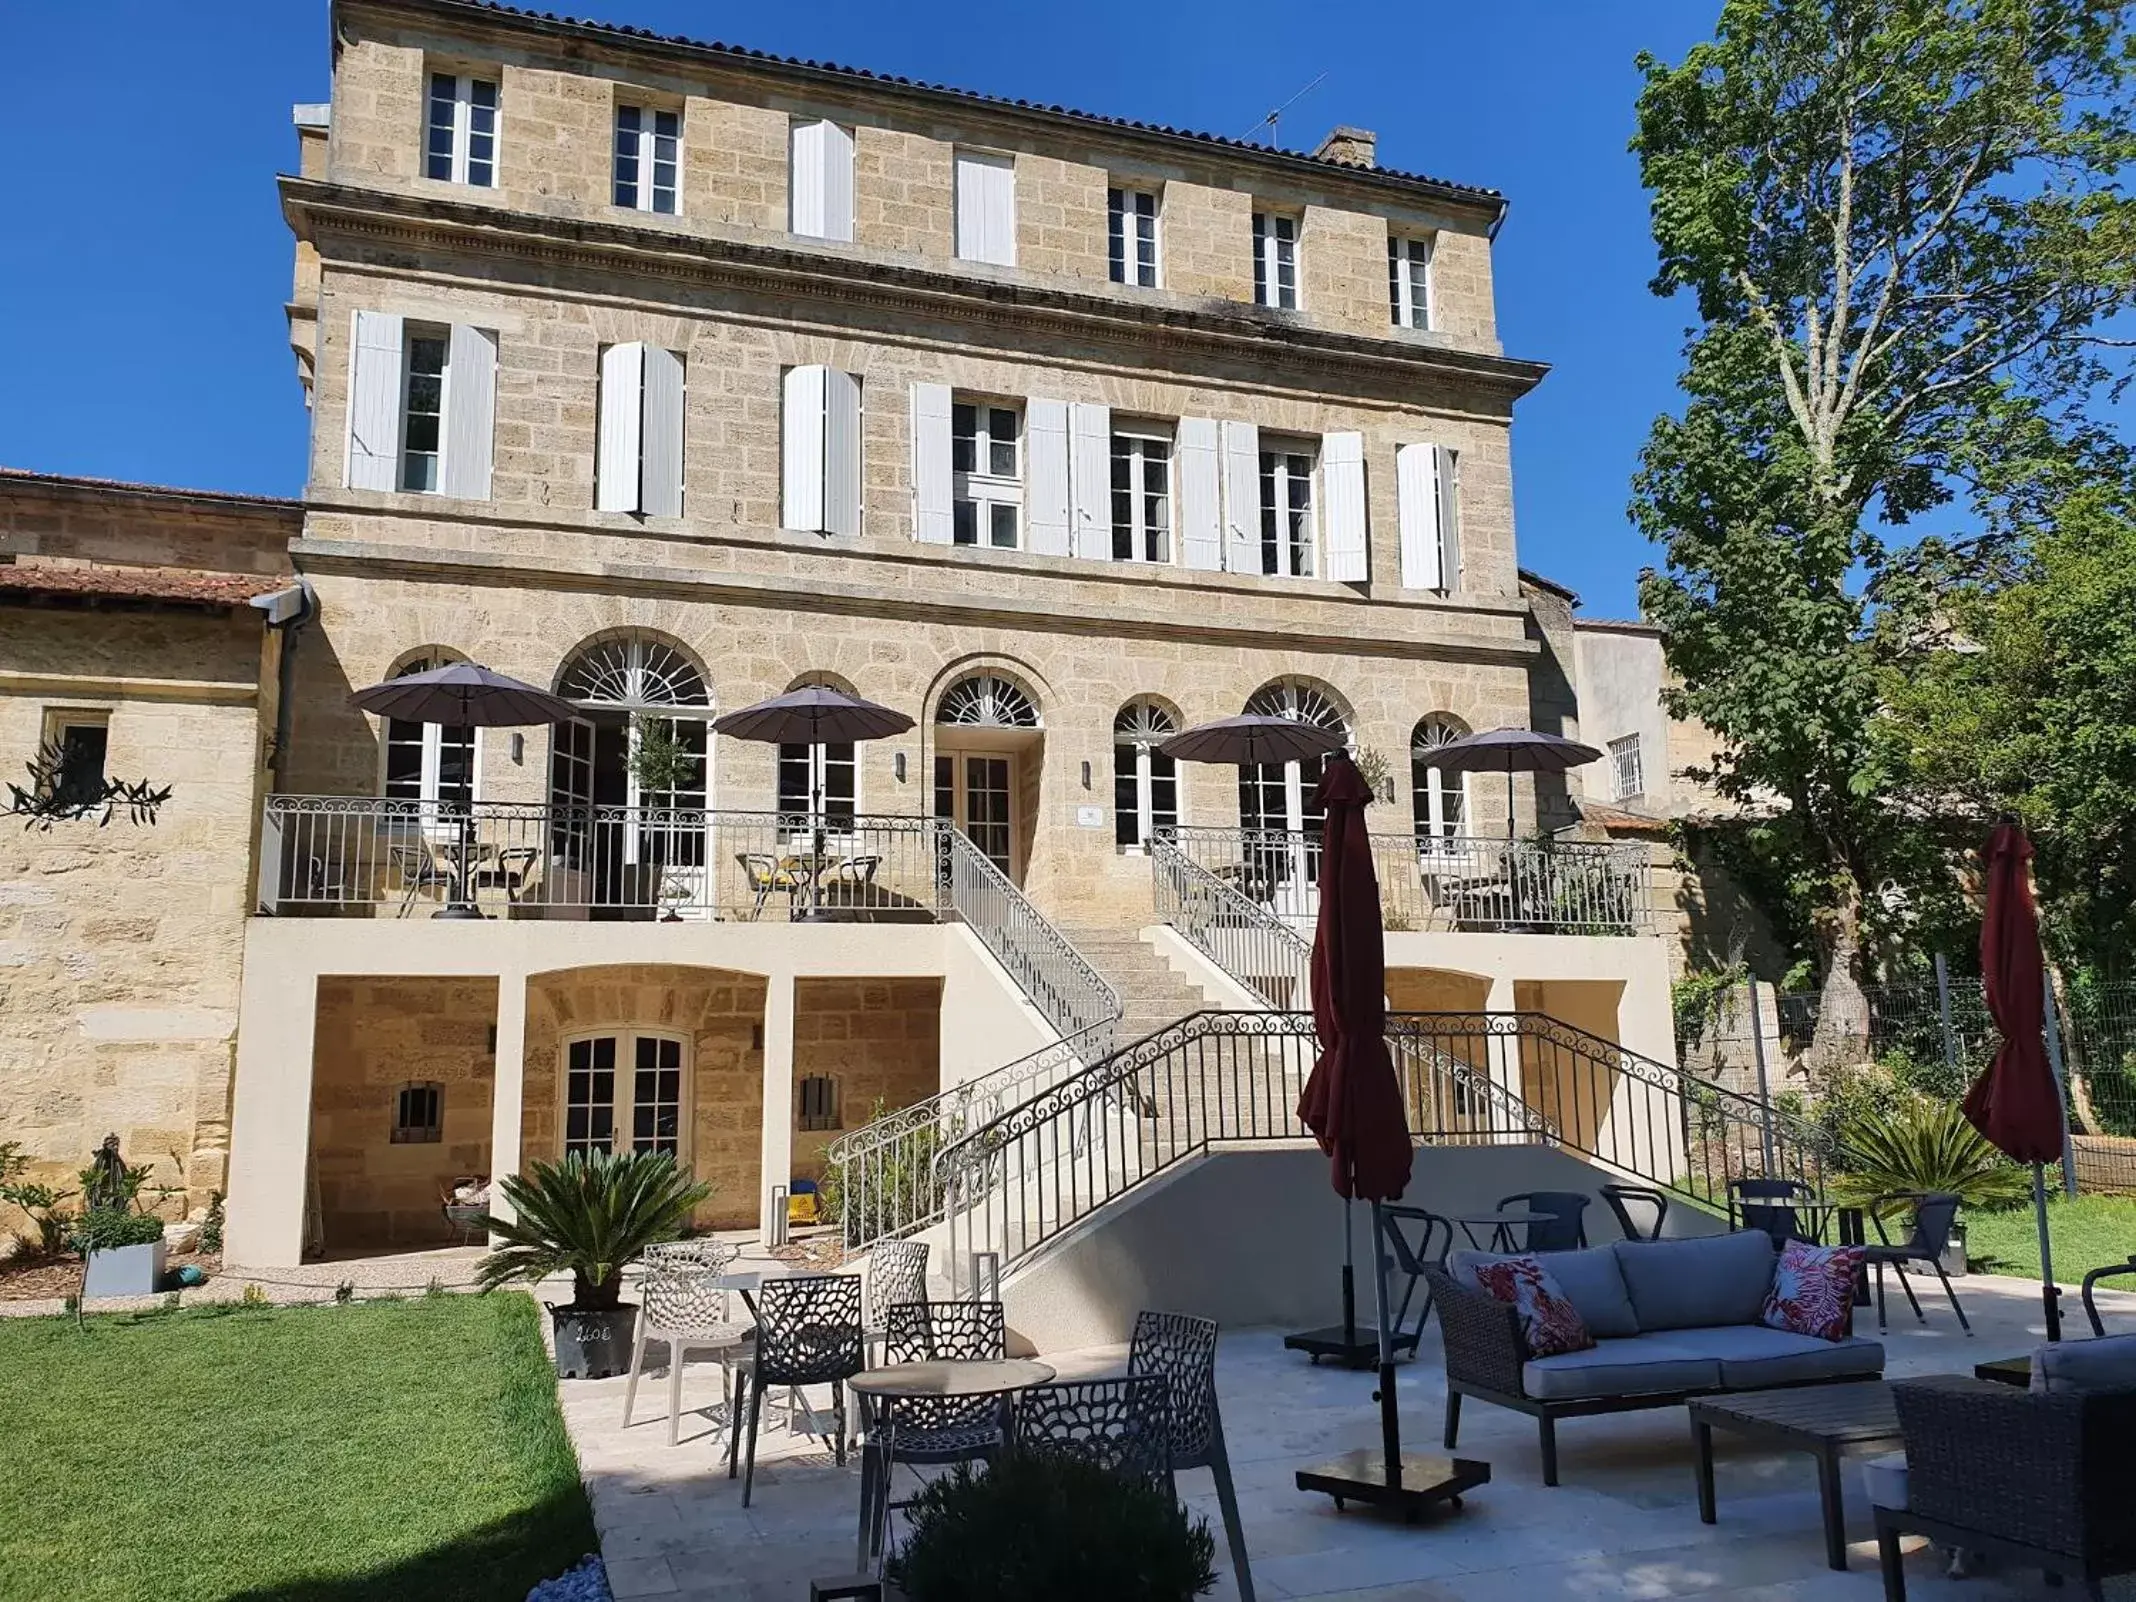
column 689, row 1307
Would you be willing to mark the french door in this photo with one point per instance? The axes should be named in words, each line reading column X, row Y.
column 976, row 791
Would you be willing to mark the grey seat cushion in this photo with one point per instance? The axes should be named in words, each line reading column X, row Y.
column 1697, row 1282
column 2101, row 1364
column 1752, row 1356
column 1589, row 1278
column 1636, row 1366
column 1885, row 1478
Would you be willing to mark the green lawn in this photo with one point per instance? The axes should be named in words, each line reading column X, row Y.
column 317, row 1454
column 2087, row 1233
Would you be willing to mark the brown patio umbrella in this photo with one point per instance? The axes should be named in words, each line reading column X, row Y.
column 2017, row 1103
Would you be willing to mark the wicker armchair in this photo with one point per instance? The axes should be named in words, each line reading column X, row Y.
column 2042, row 1481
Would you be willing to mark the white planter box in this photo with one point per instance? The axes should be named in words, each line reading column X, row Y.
column 127, row 1271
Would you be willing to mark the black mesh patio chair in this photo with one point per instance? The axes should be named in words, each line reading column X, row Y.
column 2112, row 1271
column 808, row 1333
column 1123, row 1425
column 1933, row 1214
column 931, row 1429
column 1565, row 1231
column 1621, row 1199
column 1182, row 1349
column 1770, row 1205
column 1415, row 1237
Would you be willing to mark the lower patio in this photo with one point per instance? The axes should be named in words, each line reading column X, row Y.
column 1623, row 1525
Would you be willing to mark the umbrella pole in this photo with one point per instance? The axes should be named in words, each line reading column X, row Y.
column 2050, row 1292
column 1349, row 1278
column 1509, row 799
column 1390, row 1417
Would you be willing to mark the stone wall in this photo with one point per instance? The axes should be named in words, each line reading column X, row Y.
column 880, row 1040
column 375, row 1035
column 719, row 1015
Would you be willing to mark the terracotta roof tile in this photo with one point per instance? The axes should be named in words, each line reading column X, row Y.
column 98, row 580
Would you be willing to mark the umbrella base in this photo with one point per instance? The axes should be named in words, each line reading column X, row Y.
column 1350, row 1348
column 459, row 909
column 1426, row 1478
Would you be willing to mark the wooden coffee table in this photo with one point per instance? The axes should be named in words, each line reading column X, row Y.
column 1826, row 1421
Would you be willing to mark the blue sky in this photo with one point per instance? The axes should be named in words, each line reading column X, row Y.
column 144, row 263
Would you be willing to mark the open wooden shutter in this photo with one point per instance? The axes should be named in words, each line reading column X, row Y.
column 1447, row 462
column 1342, row 475
column 1416, row 490
column 1090, row 478
column 1242, row 497
column 801, row 449
column 1201, row 528
column 837, row 183
column 375, row 345
column 804, row 183
column 660, row 481
column 986, row 208
column 619, row 444
column 822, row 181
column 470, row 412
column 1046, row 476
column 931, row 517
column 841, row 453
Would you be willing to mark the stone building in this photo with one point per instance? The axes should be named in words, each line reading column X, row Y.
column 669, row 377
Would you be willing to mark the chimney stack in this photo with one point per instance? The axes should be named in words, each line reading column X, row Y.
column 1349, row 147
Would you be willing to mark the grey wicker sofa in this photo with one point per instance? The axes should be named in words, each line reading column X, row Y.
column 2041, row 1480
column 1671, row 1319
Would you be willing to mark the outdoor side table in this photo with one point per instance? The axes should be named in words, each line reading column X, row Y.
column 1001, row 1377
column 1825, row 1421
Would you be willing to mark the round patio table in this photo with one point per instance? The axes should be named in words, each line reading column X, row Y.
column 1002, row 1377
column 1501, row 1225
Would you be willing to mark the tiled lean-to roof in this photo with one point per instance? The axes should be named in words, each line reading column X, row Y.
column 549, row 20
column 92, row 581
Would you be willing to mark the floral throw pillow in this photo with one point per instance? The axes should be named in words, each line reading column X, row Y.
column 1549, row 1323
column 1813, row 1290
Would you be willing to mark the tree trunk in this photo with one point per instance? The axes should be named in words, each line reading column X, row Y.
column 1842, row 1033
column 2083, row 1117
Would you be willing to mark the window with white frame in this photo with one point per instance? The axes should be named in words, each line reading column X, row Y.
column 648, row 158
column 423, row 405
column 462, row 146
column 624, row 1093
column 1627, row 767
column 986, row 474
column 1287, row 523
column 1275, row 260
column 1141, row 496
column 1131, row 236
column 1439, row 798
column 813, row 777
column 1145, row 780
column 83, row 741
column 1409, row 281
column 427, row 761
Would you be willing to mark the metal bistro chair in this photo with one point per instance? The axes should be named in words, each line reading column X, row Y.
column 1411, row 1255
column 897, row 1272
column 1566, row 1230
column 1182, row 1349
column 687, row 1305
column 808, row 1333
column 763, row 873
column 419, row 871
column 2091, row 1308
column 1933, row 1214
column 927, row 1429
column 1770, row 1205
column 1123, row 1425
column 1620, row 1199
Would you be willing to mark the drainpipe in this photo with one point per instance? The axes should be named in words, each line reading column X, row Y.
column 286, row 610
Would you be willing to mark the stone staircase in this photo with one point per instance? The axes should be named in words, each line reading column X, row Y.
column 1151, row 995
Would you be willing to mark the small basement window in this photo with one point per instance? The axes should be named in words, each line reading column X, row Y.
column 419, row 1113
column 819, row 1102
column 82, row 740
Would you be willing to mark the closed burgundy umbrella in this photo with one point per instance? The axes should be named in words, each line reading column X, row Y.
column 2017, row 1102
column 1352, row 1102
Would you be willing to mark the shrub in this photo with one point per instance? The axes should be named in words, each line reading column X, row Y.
column 1919, row 1144
column 107, row 1229
column 209, row 1237
column 891, row 1189
column 1044, row 1528
column 588, row 1216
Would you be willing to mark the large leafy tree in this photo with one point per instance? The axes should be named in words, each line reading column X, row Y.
column 1899, row 224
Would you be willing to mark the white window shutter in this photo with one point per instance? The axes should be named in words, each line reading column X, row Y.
column 805, row 180
column 620, row 441
column 1448, row 475
column 801, row 449
column 660, row 482
column 374, row 402
column 470, row 412
column 1201, row 529
column 837, row 183
column 1242, row 497
column 931, row 517
column 1090, row 475
column 841, row 453
column 1046, row 477
column 986, row 208
column 1416, row 491
column 1342, row 476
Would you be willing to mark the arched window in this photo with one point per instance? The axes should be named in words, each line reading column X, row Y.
column 426, row 761
column 1145, row 780
column 633, row 690
column 987, row 701
column 1440, row 798
column 1279, row 797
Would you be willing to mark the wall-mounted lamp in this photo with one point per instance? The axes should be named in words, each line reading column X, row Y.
column 1086, row 775
column 519, row 748
column 897, row 764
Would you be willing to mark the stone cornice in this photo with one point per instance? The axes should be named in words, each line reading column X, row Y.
column 318, row 211
column 1362, row 631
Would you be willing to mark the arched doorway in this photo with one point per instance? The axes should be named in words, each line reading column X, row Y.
column 1439, row 799
column 1145, row 780
column 1277, row 809
column 630, row 777
column 988, row 740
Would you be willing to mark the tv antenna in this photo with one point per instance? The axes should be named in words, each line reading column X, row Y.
column 1269, row 122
